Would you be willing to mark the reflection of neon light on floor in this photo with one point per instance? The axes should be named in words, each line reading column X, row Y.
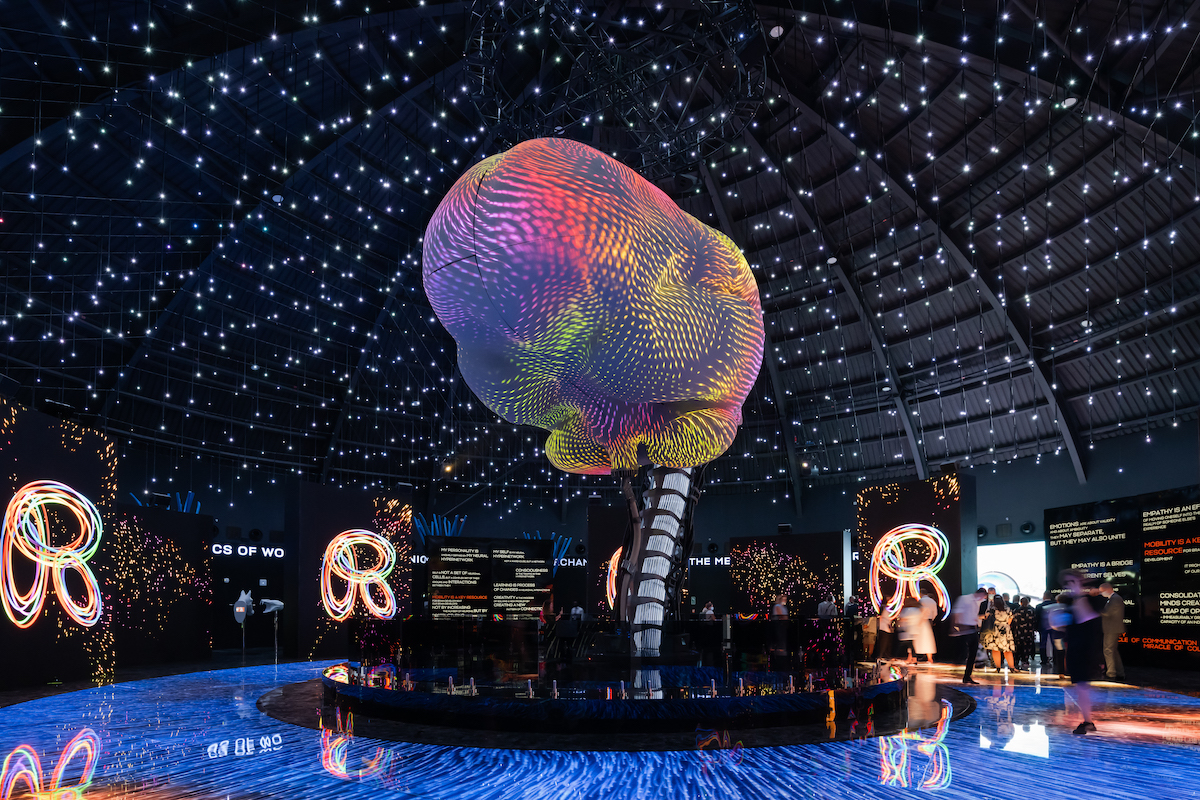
column 22, row 765
column 895, row 768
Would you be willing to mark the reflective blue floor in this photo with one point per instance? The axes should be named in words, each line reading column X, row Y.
column 201, row 736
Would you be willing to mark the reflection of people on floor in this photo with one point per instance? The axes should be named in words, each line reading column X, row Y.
column 1114, row 625
column 1085, row 635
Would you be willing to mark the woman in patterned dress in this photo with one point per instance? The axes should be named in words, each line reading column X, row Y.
column 999, row 637
column 1024, row 624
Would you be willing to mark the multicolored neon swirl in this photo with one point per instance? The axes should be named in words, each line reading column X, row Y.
column 27, row 530
column 341, row 561
column 890, row 559
column 23, row 765
column 610, row 581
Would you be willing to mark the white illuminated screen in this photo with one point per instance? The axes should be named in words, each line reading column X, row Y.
column 1015, row 568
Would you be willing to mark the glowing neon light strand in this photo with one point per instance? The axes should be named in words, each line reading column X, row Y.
column 341, row 560
column 889, row 559
column 27, row 529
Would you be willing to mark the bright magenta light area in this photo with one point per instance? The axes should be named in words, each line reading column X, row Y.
column 890, row 558
column 27, row 532
column 341, row 561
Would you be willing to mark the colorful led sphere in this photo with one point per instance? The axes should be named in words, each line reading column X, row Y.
column 890, row 559
column 586, row 303
column 27, row 532
column 341, row 560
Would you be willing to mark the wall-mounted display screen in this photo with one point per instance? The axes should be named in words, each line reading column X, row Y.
column 1015, row 568
column 510, row 578
column 1148, row 547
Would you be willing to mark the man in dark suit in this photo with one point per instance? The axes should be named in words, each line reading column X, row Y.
column 1043, row 626
column 1114, row 625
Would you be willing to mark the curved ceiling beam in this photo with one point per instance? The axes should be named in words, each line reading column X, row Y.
column 853, row 291
column 1046, row 386
column 714, row 194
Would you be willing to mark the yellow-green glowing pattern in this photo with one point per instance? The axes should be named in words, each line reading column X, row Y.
column 586, row 303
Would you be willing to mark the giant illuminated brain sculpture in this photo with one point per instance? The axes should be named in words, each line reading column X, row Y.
column 586, row 303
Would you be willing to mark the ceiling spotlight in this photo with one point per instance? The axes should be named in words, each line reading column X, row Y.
column 1070, row 101
column 278, row 198
column 831, row 260
column 1087, row 323
column 886, row 389
column 777, row 31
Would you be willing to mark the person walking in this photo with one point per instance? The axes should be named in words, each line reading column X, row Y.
column 909, row 619
column 1085, row 634
column 1114, row 625
column 968, row 611
column 1024, row 626
column 997, row 636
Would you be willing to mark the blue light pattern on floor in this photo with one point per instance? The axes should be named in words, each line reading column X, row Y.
column 201, row 736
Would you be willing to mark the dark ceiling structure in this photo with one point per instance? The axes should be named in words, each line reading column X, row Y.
column 975, row 226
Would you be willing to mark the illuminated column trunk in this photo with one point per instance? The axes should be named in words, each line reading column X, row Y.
column 657, row 558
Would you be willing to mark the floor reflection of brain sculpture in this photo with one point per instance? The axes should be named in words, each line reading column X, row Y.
column 586, row 303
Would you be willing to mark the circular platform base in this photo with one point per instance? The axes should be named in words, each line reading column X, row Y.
column 304, row 704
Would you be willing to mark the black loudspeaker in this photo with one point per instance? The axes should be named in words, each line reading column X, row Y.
column 580, row 549
column 713, row 547
column 785, row 528
column 276, row 537
column 697, row 548
column 1003, row 530
column 255, row 535
column 233, row 532
column 981, row 531
column 1027, row 527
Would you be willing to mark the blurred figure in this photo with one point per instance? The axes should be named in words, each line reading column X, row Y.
column 998, row 637
column 885, row 639
column 780, row 610
column 577, row 612
column 968, row 611
column 1024, row 626
column 917, row 627
column 1114, row 625
column 708, row 613
column 1085, row 634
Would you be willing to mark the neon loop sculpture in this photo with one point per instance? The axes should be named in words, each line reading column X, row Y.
column 341, row 560
column 22, row 764
column 889, row 559
column 26, row 529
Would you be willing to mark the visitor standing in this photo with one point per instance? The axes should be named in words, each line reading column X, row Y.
column 997, row 635
column 708, row 613
column 1045, row 646
column 1024, row 624
column 1114, row 625
column 827, row 609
